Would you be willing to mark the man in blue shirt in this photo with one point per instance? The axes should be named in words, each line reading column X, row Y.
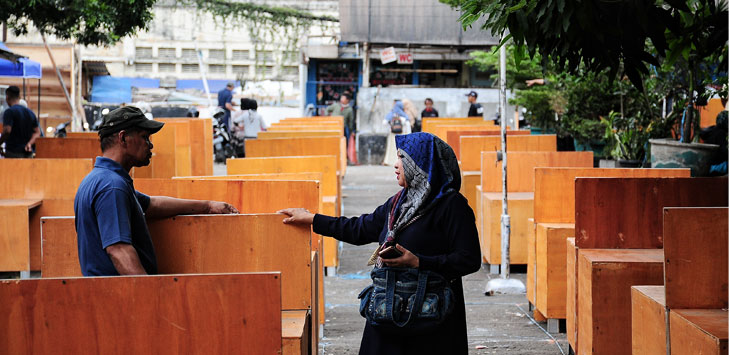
column 20, row 127
column 224, row 101
column 112, row 233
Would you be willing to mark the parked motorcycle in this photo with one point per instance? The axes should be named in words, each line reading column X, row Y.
column 222, row 145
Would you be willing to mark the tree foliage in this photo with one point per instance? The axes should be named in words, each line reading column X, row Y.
column 604, row 35
column 105, row 22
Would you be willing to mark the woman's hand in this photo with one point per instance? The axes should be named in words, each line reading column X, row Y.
column 297, row 216
column 408, row 259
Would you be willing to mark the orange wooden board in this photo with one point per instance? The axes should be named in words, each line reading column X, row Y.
column 471, row 147
column 521, row 167
column 630, row 213
column 571, row 292
column 469, row 182
column 605, row 277
column 698, row 331
column 207, row 244
column 295, row 327
column 530, row 281
column 696, row 257
column 441, row 129
column 648, row 320
column 550, row 276
column 142, row 315
column 68, row 148
column 453, row 137
column 427, row 124
column 519, row 207
column 555, row 188
column 294, row 134
column 279, row 147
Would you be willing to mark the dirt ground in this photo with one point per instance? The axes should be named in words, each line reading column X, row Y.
column 496, row 324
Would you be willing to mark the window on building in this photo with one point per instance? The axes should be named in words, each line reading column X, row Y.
column 143, row 52
column 291, row 56
column 240, row 54
column 289, row 71
column 189, row 68
column 240, row 70
column 266, row 70
column 166, row 53
column 217, row 69
column 166, row 68
column 189, row 53
column 265, row 56
column 143, row 67
column 218, row 54
column 333, row 79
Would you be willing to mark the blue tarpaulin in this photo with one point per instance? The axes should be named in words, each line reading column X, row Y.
column 111, row 90
column 145, row 83
column 214, row 85
column 24, row 68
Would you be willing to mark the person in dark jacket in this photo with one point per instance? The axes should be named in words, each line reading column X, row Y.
column 475, row 109
column 431, row 224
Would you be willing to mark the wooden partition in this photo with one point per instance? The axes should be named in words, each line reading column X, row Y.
column 138, row 315
column 68, row 148
column 571, row 300
column 473, row 146
column 200, row 133
column 297, row 134
column 520, row 185
column 307, row 127
column 327, row 165
column 605, row 278
column 427, row 124
column 698, row 331
column 554, row 211
column 53, row 182
column 631, row 208
column 282, row 147
column 648, row 319
column 93, row 134
column 441, row 129
column 453, row 136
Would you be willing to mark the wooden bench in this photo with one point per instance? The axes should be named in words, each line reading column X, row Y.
column 695, row 279
column 282, row 147
column 295, row 134
column 520, row 187
column 453, row 136
column 52, row 181
column 605, row 277
column 209, row 244
column 629, row 218
column 554, row 212
column 68, row 148
column 147, row 314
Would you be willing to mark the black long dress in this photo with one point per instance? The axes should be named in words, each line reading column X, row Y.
column 445, row 240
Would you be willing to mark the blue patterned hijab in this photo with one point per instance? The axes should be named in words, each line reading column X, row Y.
column 431, row 172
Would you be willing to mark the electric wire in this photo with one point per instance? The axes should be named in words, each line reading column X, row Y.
column 541, row 328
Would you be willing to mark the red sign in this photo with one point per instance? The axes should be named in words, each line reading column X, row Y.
column 405, row 58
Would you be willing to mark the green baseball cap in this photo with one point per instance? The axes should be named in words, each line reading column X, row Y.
column 127, row 117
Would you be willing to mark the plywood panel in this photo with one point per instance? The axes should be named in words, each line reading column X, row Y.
column 519, row 207
column 14, row 235
column 297, row 147
column 68, row 148
column 441, row 129
column 427, row 123
column 630, row 213
column 555, row 188
column 551, row 268
column 696, row 254
column 82, row 135
column 40, row 178
column 453, row 137
column 473, row 146
column 318, row 127
column 530, row 281
column 698, row 331
column 207, row 244
column 293, row 134
column 469, row 182
column 521, row 167
column 605, row 277
column 648, row 320
column 571, row 294
column 295, row 327
column 139, row 315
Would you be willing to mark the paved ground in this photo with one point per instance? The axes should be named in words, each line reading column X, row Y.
column 496, row 325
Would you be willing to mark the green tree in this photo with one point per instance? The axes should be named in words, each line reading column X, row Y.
column 105, row 22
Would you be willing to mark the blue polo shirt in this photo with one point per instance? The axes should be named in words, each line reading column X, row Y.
column 108, row 211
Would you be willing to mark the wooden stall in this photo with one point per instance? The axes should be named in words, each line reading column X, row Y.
column 48, row 187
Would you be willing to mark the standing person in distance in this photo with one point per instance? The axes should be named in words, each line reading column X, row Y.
column 429, row 111
column 20, row 127
column 431, row 225
column 225, row 96
column 344, row 109
column 475, row 109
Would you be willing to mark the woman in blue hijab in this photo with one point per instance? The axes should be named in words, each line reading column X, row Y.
column 433, row 227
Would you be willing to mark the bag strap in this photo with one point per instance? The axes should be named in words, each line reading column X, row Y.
column 417, row 302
